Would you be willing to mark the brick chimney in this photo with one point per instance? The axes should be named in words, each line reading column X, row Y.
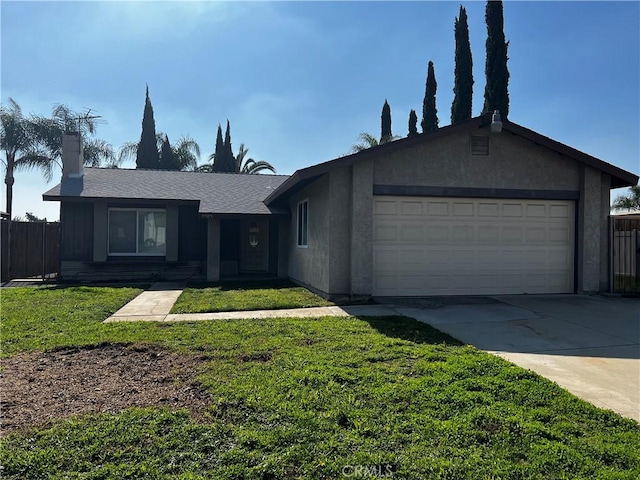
column 72, row 158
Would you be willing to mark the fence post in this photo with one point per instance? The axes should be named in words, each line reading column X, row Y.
column 44, row 247
column 611, row 251
column 637, row 275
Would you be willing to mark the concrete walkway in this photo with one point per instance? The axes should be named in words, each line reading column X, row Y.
column 588, row 345
column 155, row 304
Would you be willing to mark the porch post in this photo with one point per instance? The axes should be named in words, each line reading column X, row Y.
column 213, row 250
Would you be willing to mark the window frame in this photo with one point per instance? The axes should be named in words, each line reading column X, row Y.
column 138, row 211
column 302, row 230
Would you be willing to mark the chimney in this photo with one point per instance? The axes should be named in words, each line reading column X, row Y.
column 72, row 158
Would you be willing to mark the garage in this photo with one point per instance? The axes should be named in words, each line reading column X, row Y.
column 472, row 246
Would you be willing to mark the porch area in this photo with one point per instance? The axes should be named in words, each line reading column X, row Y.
column 246, row 247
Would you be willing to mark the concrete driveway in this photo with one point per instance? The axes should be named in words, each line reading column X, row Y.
column 588, row 345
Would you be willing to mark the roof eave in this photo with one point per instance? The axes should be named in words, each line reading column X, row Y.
column 320, row 169
column 619, row 177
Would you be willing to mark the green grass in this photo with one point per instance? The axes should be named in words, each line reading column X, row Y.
column 246, row 296
column 314, row 398
column 43, row 318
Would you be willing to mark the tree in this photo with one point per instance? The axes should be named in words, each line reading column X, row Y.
column 217, row 157
column 147, row 152
column 496, row 90
column 229, row 160
column 631, row 201
column 413, row 123
column 366, row 140
column 429, row 112
column 385, row 122
column 35, row 142
column 222, row 159
column 30, row 217
column 49, row 131
column 19, row 143
column 463, row 73
column 249, row 165
column 242, row 165
column 167, row 160
column 186, row 152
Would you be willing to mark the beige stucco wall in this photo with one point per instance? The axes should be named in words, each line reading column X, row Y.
column 310, row 265
column 340, row 204
column 512, row 163
column 325, row 264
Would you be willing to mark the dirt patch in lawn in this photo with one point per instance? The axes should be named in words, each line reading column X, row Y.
column 36, row 388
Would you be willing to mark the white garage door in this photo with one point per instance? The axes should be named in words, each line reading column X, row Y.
column 471, row 246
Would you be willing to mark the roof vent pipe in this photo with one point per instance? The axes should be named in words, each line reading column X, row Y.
column 496, row 122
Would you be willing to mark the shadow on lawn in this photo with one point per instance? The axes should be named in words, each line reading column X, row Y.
column 411, row 330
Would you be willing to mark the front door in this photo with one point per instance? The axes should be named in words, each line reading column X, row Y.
column 254, row 249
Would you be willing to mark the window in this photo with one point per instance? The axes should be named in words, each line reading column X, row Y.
column 137, row 232
column 303, row 223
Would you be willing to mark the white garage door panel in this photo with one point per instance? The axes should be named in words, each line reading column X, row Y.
column 460, row 246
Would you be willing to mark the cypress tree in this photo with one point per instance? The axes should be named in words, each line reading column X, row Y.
column 147, row 153
column 385, row 123
column 218, row 159
column 167, row 159
column 496, row 91
column 463, row 82
column 413, row 123
column 229, row 160
column 429, row 112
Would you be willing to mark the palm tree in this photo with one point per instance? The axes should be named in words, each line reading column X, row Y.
column 366, row 140
column 630, row 201
column 35, row 142
column 49, row 132
column 186, row 152
column 249, row 165
column 20, row 145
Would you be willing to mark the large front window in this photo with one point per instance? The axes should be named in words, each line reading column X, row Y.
column 137, row 231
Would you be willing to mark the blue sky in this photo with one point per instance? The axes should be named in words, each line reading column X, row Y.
column 300, row 80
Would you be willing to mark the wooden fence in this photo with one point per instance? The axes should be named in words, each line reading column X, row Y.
column 34, row 250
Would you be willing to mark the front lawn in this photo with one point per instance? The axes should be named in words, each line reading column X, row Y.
column 246, row 296
column 313, row 398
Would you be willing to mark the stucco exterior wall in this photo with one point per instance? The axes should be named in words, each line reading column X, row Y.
column 362, row 228
column 340, row 231
column 310, row 265
column 512, row 163
column 590, row 230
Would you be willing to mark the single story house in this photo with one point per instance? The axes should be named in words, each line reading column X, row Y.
column 480, row 207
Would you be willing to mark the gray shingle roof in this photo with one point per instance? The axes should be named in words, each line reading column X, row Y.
column 222, row 193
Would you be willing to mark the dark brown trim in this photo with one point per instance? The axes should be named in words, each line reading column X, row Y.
column 432, row 191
